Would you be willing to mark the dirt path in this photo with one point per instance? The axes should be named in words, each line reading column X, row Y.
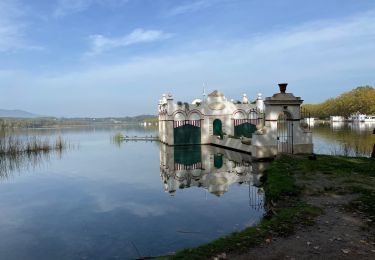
column 337, row 234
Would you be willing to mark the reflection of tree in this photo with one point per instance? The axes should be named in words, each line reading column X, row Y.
column 350, row 139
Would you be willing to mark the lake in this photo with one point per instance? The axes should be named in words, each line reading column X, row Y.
column 102, row 199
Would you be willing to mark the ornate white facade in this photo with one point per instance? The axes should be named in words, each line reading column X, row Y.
column 262, row 128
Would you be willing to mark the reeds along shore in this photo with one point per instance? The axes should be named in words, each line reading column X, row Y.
column 10, row 145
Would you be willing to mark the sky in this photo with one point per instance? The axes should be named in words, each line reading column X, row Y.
column 99, row 58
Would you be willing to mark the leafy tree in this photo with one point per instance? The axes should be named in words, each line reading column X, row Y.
column 360, row 99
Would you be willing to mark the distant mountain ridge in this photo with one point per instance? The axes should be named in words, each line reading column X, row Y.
column 16, row 113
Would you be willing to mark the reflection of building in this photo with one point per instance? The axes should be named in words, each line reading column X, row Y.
column 361, row 126
column 262, row 128
column 212, row 168
column 336, row 118
column 337, row 125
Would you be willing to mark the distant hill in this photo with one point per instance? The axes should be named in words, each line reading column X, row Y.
column 16, row 113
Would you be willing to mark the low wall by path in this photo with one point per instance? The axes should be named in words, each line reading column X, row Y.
column 231, row 143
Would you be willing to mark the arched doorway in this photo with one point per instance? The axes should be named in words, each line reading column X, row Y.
column 187, row 130
column 217, row 127
column 242, row 125
column 285, row 133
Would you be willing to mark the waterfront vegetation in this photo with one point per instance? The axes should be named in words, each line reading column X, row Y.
column 26, row 152
column 11, row 145
column 360, row 99
column 45, row 122
column 287, row 181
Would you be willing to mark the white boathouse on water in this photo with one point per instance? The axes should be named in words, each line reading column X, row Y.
column 262, row 128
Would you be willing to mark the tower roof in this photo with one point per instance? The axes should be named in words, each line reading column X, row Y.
column 216, row 93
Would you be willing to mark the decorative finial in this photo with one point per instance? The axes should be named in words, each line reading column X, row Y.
column 282, row 87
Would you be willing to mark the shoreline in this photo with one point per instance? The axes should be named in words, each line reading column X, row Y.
column 306, row 200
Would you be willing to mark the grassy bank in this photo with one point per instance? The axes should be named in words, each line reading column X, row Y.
column 287, row 180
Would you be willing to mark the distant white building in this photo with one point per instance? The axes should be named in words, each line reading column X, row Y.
column 336, row 118
column 358, row 117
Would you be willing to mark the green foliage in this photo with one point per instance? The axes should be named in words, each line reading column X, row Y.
column 41, row 122
column 360, row 99
column 187, row 106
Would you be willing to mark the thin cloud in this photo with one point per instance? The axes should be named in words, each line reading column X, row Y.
column 322, row 58
column 12, row 28
column 190, row 7
column 100, row 43
column 67, row 7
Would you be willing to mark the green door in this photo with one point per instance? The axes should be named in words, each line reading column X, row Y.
column 245, row 130
column 217, row 126
column 187, row 134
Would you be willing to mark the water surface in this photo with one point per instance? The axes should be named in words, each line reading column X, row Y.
column 104, row 200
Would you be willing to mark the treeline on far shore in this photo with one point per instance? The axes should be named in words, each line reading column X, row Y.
column 360, row 99
column 40, row 122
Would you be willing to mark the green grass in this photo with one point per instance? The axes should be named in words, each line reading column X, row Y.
column 279, row 180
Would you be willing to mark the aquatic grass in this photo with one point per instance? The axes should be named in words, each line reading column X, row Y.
column 11, row 145
column 118, row 137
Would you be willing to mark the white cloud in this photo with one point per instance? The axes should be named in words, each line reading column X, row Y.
column 100, row 43
column 11, row 29
column 191, row 6
column 66, row 7
column 322, row 59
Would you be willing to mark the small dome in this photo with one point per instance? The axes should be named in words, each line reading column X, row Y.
column 195, row 101
column 216, row 93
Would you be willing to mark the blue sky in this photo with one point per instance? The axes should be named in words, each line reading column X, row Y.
column 116, row 57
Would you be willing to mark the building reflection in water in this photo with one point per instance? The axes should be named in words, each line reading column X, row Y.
column 214, row 169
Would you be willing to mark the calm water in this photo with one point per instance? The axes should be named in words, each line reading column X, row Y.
column 104, row 200
column 338, row 138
